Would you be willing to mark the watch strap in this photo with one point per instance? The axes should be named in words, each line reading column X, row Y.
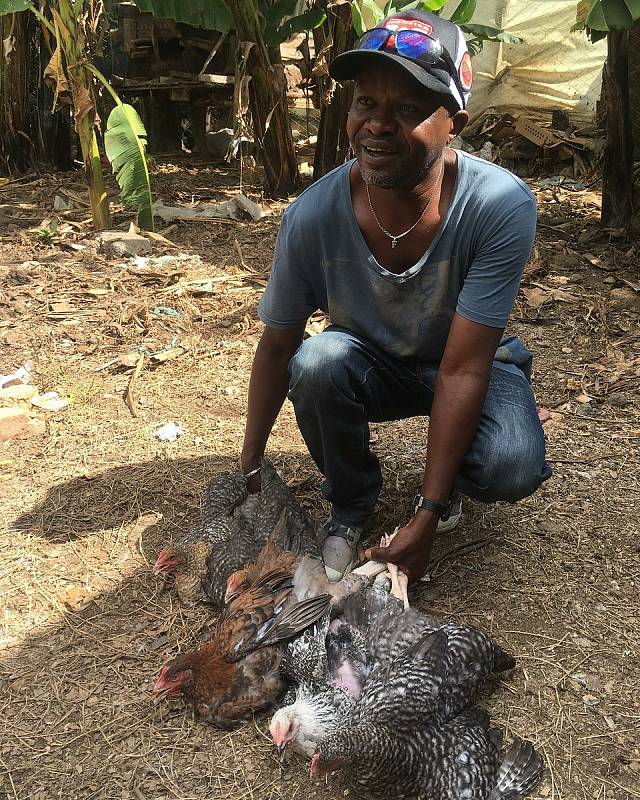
column 441, row 509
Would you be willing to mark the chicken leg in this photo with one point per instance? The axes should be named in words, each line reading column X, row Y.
column 399, row 581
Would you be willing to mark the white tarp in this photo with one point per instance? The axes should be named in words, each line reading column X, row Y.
column 553, row 68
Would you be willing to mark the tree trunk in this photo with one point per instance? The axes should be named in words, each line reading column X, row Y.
column 333, row 145
column 617, row 182
column 52, row 128
column 15, row 143
column 268, row 102
column 634, row 88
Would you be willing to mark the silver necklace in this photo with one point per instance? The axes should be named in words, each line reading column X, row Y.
column 394, row 239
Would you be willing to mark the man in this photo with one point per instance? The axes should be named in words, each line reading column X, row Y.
column 415, row 251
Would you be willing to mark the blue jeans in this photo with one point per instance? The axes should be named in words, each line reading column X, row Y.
column 340, row 383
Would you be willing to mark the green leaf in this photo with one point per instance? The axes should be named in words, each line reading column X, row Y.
column 464, row 12
column 606, row 15
column 634, row 8
column 212, row 15
column 302, row 22
column 125, row 141
column 617, row 15
column 274, row 15
column 409, row 6
column 432, row 5
column 474, row 46
column 486, row 33
column 376, row 11
column 406, row 5
column 13, row 6
column 356, row 17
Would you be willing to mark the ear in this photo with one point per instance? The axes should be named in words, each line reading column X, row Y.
column 457, row 122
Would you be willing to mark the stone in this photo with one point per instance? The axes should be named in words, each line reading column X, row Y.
column 17, row 423
column 625, row 298
column 618, row 400
column 122, row 244
column 18, row 391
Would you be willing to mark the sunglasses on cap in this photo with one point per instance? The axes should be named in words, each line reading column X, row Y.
column 415, row 45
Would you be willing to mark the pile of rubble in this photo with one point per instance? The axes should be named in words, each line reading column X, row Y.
column 529, row 149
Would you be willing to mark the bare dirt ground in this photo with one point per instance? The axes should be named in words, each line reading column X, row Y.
column 86, row 507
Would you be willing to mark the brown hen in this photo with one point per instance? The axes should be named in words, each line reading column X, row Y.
column 237, row 671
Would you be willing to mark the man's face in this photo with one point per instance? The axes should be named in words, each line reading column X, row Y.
column 396, row 128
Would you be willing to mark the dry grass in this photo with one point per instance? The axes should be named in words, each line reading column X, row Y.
column 84, row 625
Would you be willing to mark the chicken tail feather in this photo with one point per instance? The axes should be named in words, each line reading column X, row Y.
column 501, row 659
column 520, row 772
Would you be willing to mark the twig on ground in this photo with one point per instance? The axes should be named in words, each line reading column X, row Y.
column 128, row 395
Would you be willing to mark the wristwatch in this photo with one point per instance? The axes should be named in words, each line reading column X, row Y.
column 443, row 510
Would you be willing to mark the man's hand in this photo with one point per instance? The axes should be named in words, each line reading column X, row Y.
column 410, row 547
column 248, row 464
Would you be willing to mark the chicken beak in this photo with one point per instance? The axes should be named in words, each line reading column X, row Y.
column 281, row 749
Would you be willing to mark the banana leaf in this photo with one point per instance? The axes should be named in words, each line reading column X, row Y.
column 213, row 15
column 12, row 6
column 488, row 33
column 607, row 15
column 125, row 142
column 464, row 12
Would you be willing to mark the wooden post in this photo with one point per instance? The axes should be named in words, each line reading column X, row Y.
column 617, row 182
column 15, row 144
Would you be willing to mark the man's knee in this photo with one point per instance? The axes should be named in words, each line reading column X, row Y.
column 321, row 361
column 514, row 471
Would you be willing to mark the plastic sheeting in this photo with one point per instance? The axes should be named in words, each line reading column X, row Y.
column 552, row 69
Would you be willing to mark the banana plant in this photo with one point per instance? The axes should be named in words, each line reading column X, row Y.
column 599, row 17
column 125, row 143
column 73, row 27
column 462, row 15
column 612, row 19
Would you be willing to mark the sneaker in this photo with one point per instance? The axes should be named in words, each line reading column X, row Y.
column 451, row 520
column 339, row 547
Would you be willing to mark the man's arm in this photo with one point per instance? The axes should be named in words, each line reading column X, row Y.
column 267, row 389
column 461, row 387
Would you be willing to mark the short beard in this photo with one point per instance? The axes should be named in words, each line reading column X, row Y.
column 381, row 179
column 403, row 179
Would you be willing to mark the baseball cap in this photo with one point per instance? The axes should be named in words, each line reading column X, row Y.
column 432, row 50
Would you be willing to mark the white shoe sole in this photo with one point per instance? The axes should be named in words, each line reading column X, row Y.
column 446, row 525
column 334, row 576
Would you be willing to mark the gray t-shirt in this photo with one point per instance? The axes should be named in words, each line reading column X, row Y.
column 473, row 265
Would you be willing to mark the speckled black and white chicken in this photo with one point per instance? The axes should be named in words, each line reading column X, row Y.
column 326, row 667
column 366, row 649
column 412, row 733
column 233, row 528
column 459, row 760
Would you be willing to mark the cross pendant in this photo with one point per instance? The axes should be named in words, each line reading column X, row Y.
column 394, row 242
